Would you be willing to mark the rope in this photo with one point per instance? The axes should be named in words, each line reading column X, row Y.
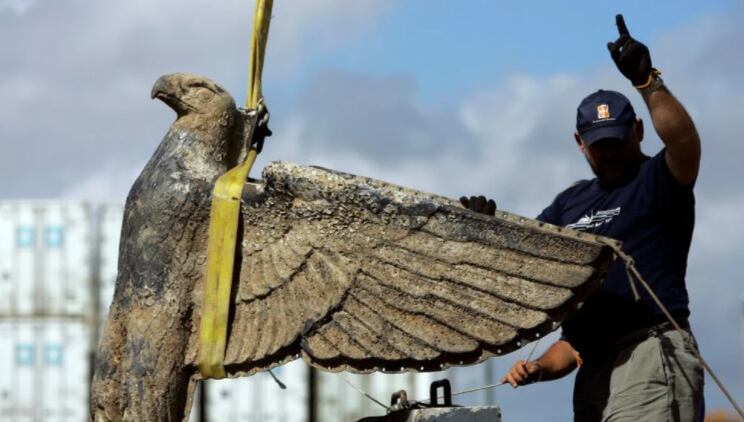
column 485, row 387
column 635, row 275
column 473, row 390
column 470, row 390
column 365, row 394
column 223, row 222
column 632, row 270
column 534, row 347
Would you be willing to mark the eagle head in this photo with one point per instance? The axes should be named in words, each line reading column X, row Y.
column 206, row 112
column 188, row 94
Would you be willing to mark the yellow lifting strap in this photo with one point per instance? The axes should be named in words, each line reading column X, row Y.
column 223, row 222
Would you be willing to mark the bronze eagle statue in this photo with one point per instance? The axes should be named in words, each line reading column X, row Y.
column 346, row 272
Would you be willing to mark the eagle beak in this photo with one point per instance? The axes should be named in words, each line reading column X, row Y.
column 168, row 90
column 162, row 88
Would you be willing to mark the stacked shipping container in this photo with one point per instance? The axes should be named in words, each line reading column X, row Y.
column 57, row 280
column 45, row 303
column 259, row 398
column 45, row 370
column 45, row 262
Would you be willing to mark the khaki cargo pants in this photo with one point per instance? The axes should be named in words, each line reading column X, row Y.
column 657, row 379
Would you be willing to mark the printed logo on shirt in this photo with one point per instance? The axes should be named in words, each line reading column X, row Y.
column 595, row 220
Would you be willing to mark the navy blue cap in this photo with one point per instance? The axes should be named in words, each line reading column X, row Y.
column 604, row 114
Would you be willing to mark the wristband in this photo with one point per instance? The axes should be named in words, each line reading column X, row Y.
column 655, row 85
column 653, row 75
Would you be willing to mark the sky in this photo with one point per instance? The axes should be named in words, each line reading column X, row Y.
column 456, row 98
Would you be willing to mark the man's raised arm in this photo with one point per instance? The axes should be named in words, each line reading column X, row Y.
column 670, row 119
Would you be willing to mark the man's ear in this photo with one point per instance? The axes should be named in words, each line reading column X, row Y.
column 639, row 129
column 579, row 142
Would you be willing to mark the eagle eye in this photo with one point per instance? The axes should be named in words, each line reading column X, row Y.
column 201, row 84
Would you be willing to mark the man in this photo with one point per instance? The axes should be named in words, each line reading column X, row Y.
column 632, row 364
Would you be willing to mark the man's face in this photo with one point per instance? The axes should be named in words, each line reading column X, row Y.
column 615, row 161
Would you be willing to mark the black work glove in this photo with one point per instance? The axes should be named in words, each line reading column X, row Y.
column 631, row 57
column 479, row 204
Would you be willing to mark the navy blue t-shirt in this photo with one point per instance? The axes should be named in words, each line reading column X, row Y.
column 653, row 215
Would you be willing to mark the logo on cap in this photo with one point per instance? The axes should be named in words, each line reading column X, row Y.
column 603, row 111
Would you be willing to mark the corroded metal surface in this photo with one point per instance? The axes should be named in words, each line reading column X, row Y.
column 140, row 373
column 356, row 274
column 348, row 273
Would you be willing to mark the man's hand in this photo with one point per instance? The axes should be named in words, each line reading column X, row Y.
column 671, row 121
column 559, row 360
column 479, row 204
column 523, row 372
column 631, row 57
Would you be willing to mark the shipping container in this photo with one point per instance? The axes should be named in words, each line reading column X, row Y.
column 109, row 231
column 259, row 397
column 45, row 262
column 45, row 367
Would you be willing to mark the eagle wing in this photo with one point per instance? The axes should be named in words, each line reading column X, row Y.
column 357, row 274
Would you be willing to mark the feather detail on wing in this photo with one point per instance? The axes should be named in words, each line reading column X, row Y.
column 356, row 274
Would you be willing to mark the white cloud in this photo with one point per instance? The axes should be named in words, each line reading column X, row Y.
column 79, row 121
column 720, row 228
column 301, row 28
column 108, row 183
column 75, row 76
column 16, row 7
column 518, row 148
